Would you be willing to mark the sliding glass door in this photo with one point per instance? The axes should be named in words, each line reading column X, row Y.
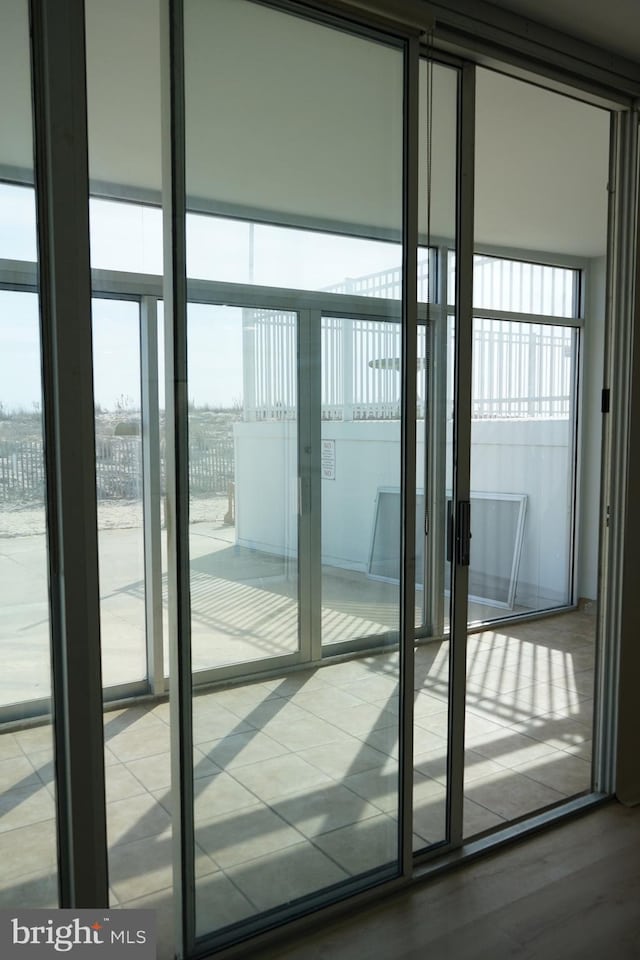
column 360, row 410
column 365, row 409
column 243, row 485
column 380, row 453
column 294, row 381
column 119, row 487
column 438, row 632
column 536, row 422
column 29, row 822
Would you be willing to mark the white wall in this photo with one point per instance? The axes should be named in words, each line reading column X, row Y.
column 367, row 458
column 267, row 486
column 530, row 457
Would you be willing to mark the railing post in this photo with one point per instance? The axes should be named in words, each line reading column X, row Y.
column 348, row 334
column 531, row 393
column 249, row 321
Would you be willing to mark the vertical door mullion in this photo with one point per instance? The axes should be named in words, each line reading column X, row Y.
column 615, row 764
column 62, row 181
column 435, row 473
column 177, row 469
column 152, row 493
column 408, row 447
column 575, row 427
column 461, row 446
column 609, row 578
column 309, row 494
column 439, row 414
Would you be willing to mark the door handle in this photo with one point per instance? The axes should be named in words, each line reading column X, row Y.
column 304, row 496
column 463, row 533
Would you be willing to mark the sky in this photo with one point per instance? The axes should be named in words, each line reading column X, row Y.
column 129, row 237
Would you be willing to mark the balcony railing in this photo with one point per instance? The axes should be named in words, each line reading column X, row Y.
column 520, row 370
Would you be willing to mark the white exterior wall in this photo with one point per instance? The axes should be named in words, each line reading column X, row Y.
column 530, row 457
column 267, row 486
column 367, row 458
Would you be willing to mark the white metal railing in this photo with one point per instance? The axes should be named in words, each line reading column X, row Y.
column 520, row 369
column 385, row 283
column 360, row 359
column 522, row 287
column 519, row 286
column 269, row 365
column 359, row 367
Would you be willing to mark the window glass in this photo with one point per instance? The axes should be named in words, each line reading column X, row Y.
column 522, row 287
column 28, row 834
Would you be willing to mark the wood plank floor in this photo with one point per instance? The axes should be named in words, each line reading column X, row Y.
column 570, row 892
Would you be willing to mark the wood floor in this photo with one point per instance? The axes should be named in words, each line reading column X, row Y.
column 570, row 892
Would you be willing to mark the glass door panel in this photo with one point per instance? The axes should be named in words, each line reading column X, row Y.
column 529, row 684
column 293, row 805
column 118, row 425
column 360, row 409
column 28, row 828
column 243, row 484
column 360, row 481
column 23, row 544
column 535, row 480
column 433, row 587
column 295, row 777
column 434, row 460
column 522, row 441
column 27, row 822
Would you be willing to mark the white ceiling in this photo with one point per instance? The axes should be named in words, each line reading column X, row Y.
column 541, row 168
column 284, row 115
column 294, row 117
column 610, row 24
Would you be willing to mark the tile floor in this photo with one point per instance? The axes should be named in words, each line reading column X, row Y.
column 243, row 604
column 296, row 777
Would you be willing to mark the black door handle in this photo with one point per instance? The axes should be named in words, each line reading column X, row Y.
column 463, row 533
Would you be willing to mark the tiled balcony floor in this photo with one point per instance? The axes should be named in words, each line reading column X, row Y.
column 296, row 777
column 244, row 604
